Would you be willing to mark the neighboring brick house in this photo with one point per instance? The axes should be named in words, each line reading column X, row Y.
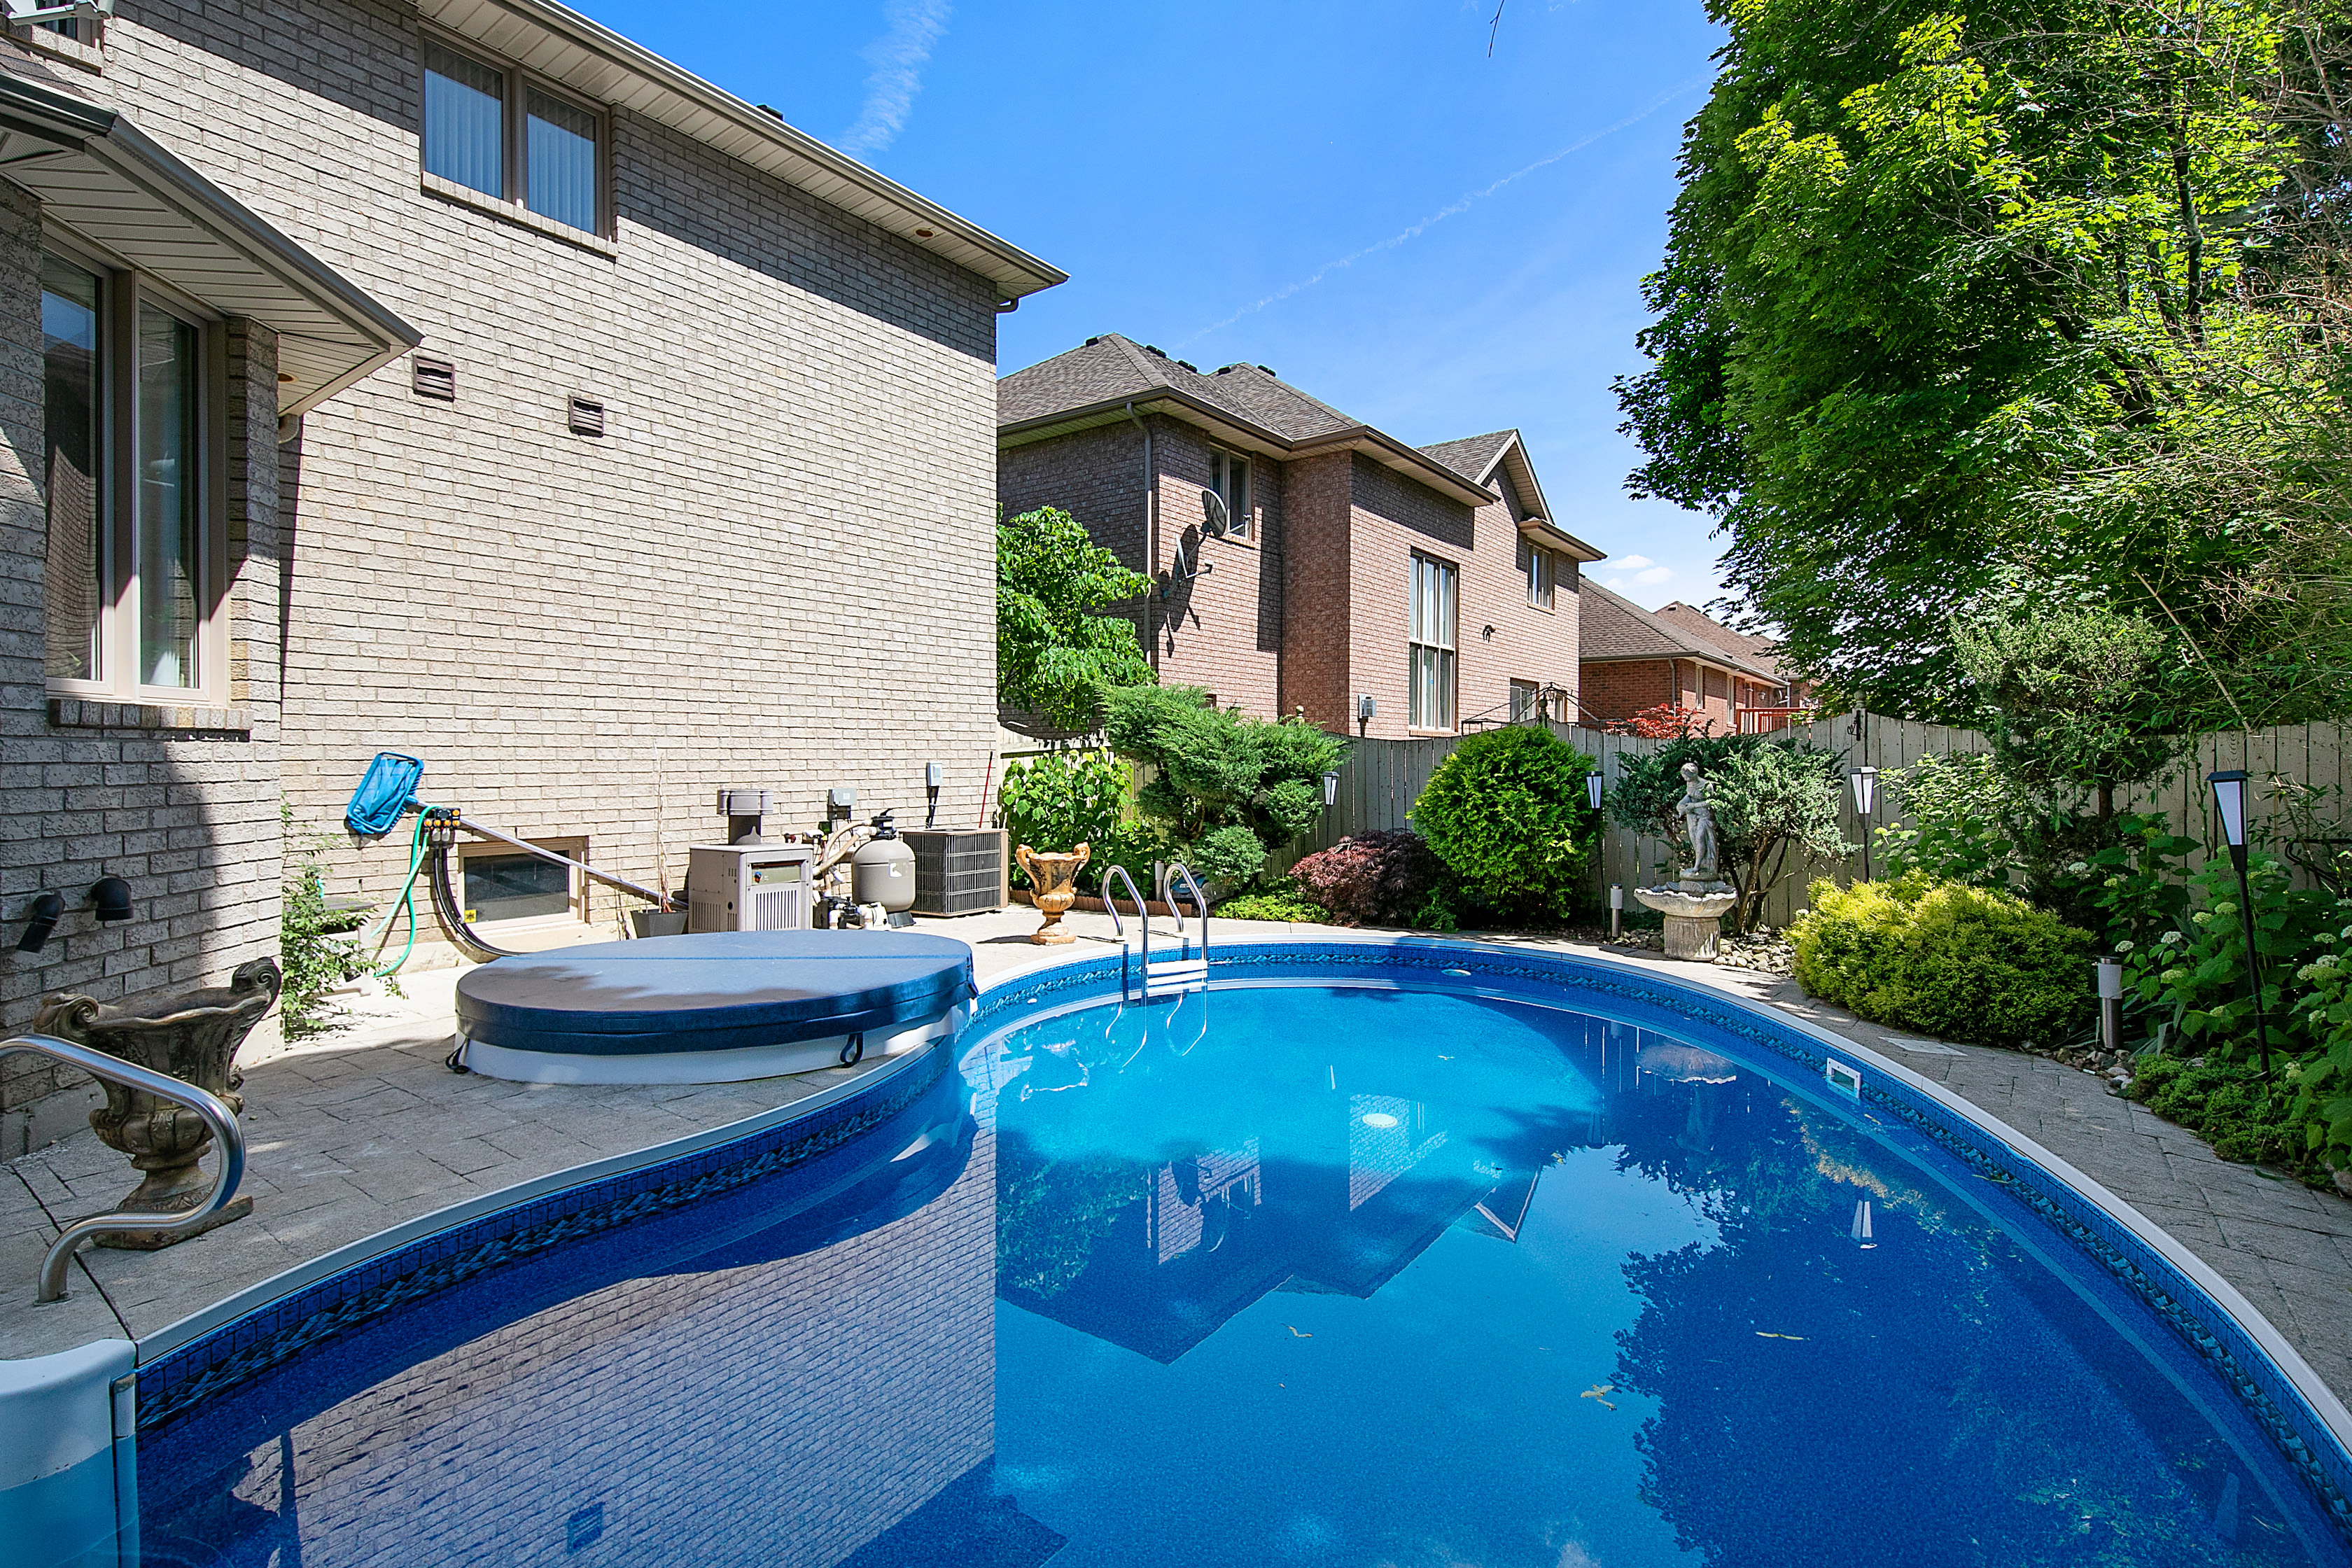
column 1303, row 561
column 690, row 483
column 1635, row 659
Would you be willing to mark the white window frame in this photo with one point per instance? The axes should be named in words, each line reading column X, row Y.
column 1432, row 625
column 1540, row 567
column 1223, row 467
column 121, row 293
column 575, row 910
column 514, row 147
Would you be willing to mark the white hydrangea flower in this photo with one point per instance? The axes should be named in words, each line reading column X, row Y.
column 2126, row 945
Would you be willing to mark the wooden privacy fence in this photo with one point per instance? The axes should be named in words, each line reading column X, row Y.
column 1381, row 780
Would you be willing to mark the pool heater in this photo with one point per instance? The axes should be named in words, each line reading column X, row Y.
column 747, row 886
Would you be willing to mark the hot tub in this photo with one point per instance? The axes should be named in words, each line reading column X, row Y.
column 717, row 1007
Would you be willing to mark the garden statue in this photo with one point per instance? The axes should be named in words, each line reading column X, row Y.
column 1053, row 879
column 1694, row 906
column 1698, row 826
column 194, row 1035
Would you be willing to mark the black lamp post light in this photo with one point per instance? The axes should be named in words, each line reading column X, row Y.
column 1865, row 799
column 2230, row 805
column 1593, row 788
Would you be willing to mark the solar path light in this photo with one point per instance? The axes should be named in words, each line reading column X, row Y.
column 2230, row 805
column 1866, row 797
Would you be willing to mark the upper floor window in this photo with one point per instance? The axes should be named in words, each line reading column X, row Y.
column 1430, row 650
column 135, row 558
column 1538, row 567
column 1229, row 476
column 495, row 131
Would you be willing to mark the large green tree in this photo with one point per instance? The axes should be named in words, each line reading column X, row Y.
column 1056, row 656
column 2008, row 302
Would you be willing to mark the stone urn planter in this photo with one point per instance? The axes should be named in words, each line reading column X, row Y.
column 1055, row 880
column 194, row 1035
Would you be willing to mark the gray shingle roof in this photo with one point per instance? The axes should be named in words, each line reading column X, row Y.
column 1111, row 366
column 1473, row 455
column 1697, row 623
column 1614, row 627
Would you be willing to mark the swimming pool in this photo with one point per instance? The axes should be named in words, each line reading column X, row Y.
column 1405, row 1253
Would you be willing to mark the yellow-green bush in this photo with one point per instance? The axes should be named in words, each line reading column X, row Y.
column 1946, row 959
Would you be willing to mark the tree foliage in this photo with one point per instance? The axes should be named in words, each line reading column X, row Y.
column 2040, row 298
column 2083, row 700
column 1217, row 768
column 1055, row 656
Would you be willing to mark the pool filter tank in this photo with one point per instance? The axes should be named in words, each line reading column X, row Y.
column 882, row 871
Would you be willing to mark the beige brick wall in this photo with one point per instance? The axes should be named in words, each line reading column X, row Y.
column 775, row 571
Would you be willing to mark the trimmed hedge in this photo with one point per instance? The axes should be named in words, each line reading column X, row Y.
column 1946, row 959
column 1507, row 813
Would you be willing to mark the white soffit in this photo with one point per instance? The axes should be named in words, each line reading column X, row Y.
column 99, row 175
column 562, row 46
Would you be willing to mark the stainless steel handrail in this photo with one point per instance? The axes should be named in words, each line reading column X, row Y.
column 1142, row 914
column 1199, row 902
column 225, row 1133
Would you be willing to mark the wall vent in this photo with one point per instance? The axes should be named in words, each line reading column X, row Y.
column 585, row 415
column 435, row 378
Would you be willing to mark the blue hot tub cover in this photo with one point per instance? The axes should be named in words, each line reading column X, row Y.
column 714, row 991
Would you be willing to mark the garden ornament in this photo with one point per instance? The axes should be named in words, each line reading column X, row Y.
column 1054, row 879
column 194, row 1035
column 1694, row 906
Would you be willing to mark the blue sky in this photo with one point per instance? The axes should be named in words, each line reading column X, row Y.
column 1311, row 185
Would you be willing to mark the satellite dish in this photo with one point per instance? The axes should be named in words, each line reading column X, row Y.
column 1219, row 522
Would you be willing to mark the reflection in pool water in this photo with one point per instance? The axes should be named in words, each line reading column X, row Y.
column 1280, row 1275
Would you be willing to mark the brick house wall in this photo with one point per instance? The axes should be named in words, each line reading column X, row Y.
column 1318, row 601
column 775, row 570
column 1619, row 688
column 1531, row 644
column 1221, row 630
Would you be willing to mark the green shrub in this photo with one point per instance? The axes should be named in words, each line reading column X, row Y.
column 1283, row 903
column 1507, row 813
column 1059, row 801
column 2228, row 1104
column 1231, row 855
column 1215, row 769
column 1946, row 959
column 315, row 951
column 1952, row 826
column 1382, row 878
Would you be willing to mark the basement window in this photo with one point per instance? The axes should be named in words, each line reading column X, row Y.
column 498, row 883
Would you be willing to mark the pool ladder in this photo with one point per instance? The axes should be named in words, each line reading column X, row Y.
column 1140, row 978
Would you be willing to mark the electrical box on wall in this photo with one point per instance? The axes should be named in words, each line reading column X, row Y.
column 747, row 886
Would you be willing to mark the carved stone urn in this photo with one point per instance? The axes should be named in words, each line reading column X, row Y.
column 1693, row 911
column 192, row 1034
column 1054, row 879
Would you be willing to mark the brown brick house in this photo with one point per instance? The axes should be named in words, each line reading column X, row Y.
column 1634, row 660
column 1304, row 560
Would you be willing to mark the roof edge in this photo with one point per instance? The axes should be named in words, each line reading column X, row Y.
column 1026, row 274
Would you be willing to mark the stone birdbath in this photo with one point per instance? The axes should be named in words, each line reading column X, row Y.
column 192, row 1036
column 1054, row 880
column 1695, row 904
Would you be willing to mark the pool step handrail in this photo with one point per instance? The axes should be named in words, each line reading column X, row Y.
column 227, row 1133
column 1111, row 875
column 1188, row 972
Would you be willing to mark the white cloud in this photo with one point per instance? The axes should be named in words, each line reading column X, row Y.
column 897, row 58
column 1655, row 574
column 1632, row 562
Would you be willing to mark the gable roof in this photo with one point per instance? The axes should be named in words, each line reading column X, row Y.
column 1613, row 628
column 1104, row 378
column 1696, row 621
column 560, row 44
column 1501, row 456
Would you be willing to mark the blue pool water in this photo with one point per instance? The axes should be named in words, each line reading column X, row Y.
column 1295, row 1273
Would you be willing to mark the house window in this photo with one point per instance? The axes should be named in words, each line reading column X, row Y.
column 1430, row 645
column 1526, row 700
column 1536, row 565
column 495, row 130
column 1229, row 476
column 515, row 888
column 134, row 558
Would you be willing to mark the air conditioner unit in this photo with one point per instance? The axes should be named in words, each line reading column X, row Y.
column 747, row 886
column 958, row 872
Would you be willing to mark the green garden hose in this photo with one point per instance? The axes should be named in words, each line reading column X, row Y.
column 407, row 901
